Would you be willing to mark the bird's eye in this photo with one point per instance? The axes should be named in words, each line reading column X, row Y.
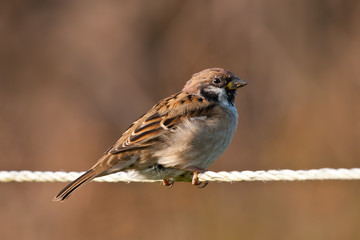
column 216, row 80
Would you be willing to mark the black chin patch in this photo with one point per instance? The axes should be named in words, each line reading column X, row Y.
column 231, row 96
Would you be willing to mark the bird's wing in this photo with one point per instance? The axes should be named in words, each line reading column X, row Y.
column 161, row 118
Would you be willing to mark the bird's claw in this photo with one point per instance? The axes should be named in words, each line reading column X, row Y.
column 195, row 180
column 168, row 183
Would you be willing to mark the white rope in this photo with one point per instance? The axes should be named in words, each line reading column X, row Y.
column 234, row 176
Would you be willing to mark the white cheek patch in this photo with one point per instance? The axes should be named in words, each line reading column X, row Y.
column 213, row 89
column 219, row 92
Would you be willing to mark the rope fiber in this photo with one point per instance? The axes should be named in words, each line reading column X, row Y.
column 234, row 176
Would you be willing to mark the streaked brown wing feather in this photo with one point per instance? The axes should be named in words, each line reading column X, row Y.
column 161, row 118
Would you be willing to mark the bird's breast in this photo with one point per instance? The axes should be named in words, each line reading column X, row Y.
column 199, row 141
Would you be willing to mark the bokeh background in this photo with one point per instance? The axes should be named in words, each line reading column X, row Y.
column 75, row 74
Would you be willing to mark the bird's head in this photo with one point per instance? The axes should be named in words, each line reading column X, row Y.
column 215, row 84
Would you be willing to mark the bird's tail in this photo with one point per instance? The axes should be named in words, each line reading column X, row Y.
column 86, row 177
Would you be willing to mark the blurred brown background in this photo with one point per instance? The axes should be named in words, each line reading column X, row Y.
column 75, row 74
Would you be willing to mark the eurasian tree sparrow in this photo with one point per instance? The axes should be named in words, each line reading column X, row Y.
column 178, row 138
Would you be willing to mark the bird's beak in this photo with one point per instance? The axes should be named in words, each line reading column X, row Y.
column 236, row 83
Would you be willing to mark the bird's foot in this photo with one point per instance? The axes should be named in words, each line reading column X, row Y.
column 168, row 183
column 195, row 179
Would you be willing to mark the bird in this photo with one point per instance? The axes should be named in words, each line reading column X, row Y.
column 178, row 138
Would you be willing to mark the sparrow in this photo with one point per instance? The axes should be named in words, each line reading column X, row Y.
column 176, row 139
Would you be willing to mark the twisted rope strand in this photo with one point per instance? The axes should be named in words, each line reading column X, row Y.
column 234, row 176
